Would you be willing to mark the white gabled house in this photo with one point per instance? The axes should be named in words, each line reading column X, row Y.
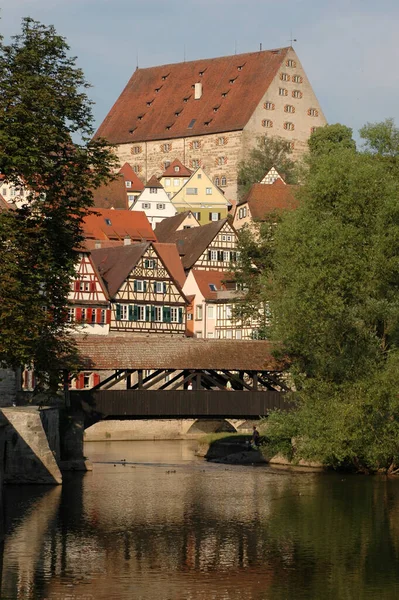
column 155, row 202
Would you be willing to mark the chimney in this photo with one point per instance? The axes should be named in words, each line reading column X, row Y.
column 97, row 244
column 197, row 91
column 127, row 241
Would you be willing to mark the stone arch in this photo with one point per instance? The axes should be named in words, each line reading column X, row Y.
column 211, row 426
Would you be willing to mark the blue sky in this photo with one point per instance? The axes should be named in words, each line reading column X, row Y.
column 349, row 49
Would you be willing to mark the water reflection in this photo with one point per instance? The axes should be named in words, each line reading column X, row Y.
column 152, row 521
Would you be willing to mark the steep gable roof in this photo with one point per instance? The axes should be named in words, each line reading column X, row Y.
column 116, row 225
column 115, row 264
column 4, row 204
column 159, row 102
column 170, row 257
column 191, row 243
column 153, row 182
column 129, row 175
column 171, row 170
column 210, row 282
column 266, row 199
column 112, row 194
column 167, row 227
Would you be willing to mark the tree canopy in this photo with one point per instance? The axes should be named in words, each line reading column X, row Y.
column 46, row 126
column 269, row 152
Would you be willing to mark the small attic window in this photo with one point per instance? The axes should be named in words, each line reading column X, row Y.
column 191, row 124
column 186, row 99
column 224, row 94
column 131, row 131
column 164, row 77
column 207, row 122
column 212, row 287
column 177, row 113
column 239, row 68
column 140, row 117
column 108, row 221
column 158, row 89
column 168, row 127
column 149, row 102
column 216, row 108
column 201, row 72
column 232, row 80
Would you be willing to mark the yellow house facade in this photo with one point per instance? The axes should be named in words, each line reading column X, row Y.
column 202, row 197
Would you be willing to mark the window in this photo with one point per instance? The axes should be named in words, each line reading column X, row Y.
column 221, row 160
column 296, row 94
column 166, row 147
column 166, row 164
column 196, row 145
column 285, row 77
column 128, row 184
column 198, row 312
column 93, row 316
column 161, row 206
column 192, row 191
column 211, row 312
column 228, row 238
column 124, row 312
column 158, row 313
column 199, row 176
column 229, row 334
column 13, row 192
column 197, row 215
column 71, row 315
column 238, row 335
column 210, row 335
column 288, row 108
column 176, row 182
column 313, row 112
column 290, row 63
column 145, row 205
column 86, row 380
column 139, row 286
column 297, row 79
column 289, row 126
column 108, row 221
column 214, row 216
column 4, row 191
column 268, row 106
column 223, row 182
column 214, row 254
column 226, row 256
column 167, row 182
column 212, row 287
column 136, row 149
column 216, row 181
column 102, row 316
column 198, row 334
column 174, row 314
column 149, row 263
column 229, row 312
column 267, row 123
column 195, row 163
column 177, row 169
column 137, row 168
column 282, row 92
column 160, row 288
column 141, row 313
column 313, row 129
column 192, row 122
column 221, row 141
column 208, row 191
column 153, row 190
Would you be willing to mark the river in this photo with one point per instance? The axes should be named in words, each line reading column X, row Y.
column 154, row 522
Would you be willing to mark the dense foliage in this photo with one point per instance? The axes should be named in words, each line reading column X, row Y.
column 269, row 152
column 44, row 110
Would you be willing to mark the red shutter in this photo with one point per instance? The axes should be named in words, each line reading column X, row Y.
column 80, row 381
column 88, row 315
column 96, row 379
column 77, row 286
column 93, row 286
column 78, row 315
column 108, row 316
column 26, row 380
column 98, row 315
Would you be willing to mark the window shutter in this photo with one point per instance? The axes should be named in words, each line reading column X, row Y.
column 210, row 216
column 219, row 214
column 118, row 312
column 180, row 315
column 209, row 255
column 155, row 287
column 80, row 381
column 135, row 312
column 78, row 315
column 148, row 313
column 107, row 316
column 152, row 313
column 135, row 285
column 166, row 314
column 164, row 287
column 220, row 255
column 131, row 311
column 145, row 286
column 146, row 263
column 93, row 287
column 98, row 316
column 77, row 286
column 96, row 379
column 233, row 256
column 26, row 379
column 89, row 315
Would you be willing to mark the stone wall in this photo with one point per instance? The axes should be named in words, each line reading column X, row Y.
column 9, row 386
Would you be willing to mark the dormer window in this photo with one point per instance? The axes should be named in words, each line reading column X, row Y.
column 131, row 131
column 186, row 99
column 164, row 77
column 177, row 169
column 149, row 102
column 212, row 287
column 108, row 221
column 158, row 89
column 140, row 117
column 201, row 72
column 168, row 127
column 216, row 108
column 239, row 68
column 128, row 184
column 177, row 113
column 206, row 123
column 231, row 81
column 224, row 94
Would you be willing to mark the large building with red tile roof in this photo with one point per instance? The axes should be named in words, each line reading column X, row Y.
column 104, row 228
column 210, row 112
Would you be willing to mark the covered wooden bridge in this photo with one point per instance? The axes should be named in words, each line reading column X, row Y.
column 163, row 377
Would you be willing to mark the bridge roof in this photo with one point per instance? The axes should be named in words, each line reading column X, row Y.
column 117, row 352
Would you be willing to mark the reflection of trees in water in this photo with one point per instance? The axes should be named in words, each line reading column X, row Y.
column 312, row 535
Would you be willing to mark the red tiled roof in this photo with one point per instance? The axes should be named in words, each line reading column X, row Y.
column 182, row 172
column 112, row 194
column 124, row 223
column 170, row 257
column 115, row 264
column 264, row 199
column 153, row 182
column 167, row 227
column 130, row 175
column 4, row 204
column 115, row 352
column 158, row 103
column 206, row 278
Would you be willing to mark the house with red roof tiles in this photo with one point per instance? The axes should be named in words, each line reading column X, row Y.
column 213, row 296
column 168, row 227
column 210, row 112
column 174, row 177
column 144, row 283
column 103, row 228
column 263, row 201
column 154, row 202
column 133, row 184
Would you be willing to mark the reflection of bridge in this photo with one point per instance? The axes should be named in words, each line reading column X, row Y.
column 179, row 378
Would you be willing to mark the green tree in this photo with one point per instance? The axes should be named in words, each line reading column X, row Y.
column 330, row 138
column 269, row 152
column 335, row 307
column 46, row 126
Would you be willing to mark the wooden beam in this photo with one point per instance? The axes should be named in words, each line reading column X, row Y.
column 168, row 383
column 241, row 382
column 155, row 379
column 107, row 380
column 187, row 378
column 149, row 378
column 140, row 379
column 214, row 378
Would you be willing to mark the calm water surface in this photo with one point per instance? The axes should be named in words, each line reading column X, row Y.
column 165, row 525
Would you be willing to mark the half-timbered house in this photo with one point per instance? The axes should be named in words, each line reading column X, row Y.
column 144, row 282
column 211, row 246
column 89, row 307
